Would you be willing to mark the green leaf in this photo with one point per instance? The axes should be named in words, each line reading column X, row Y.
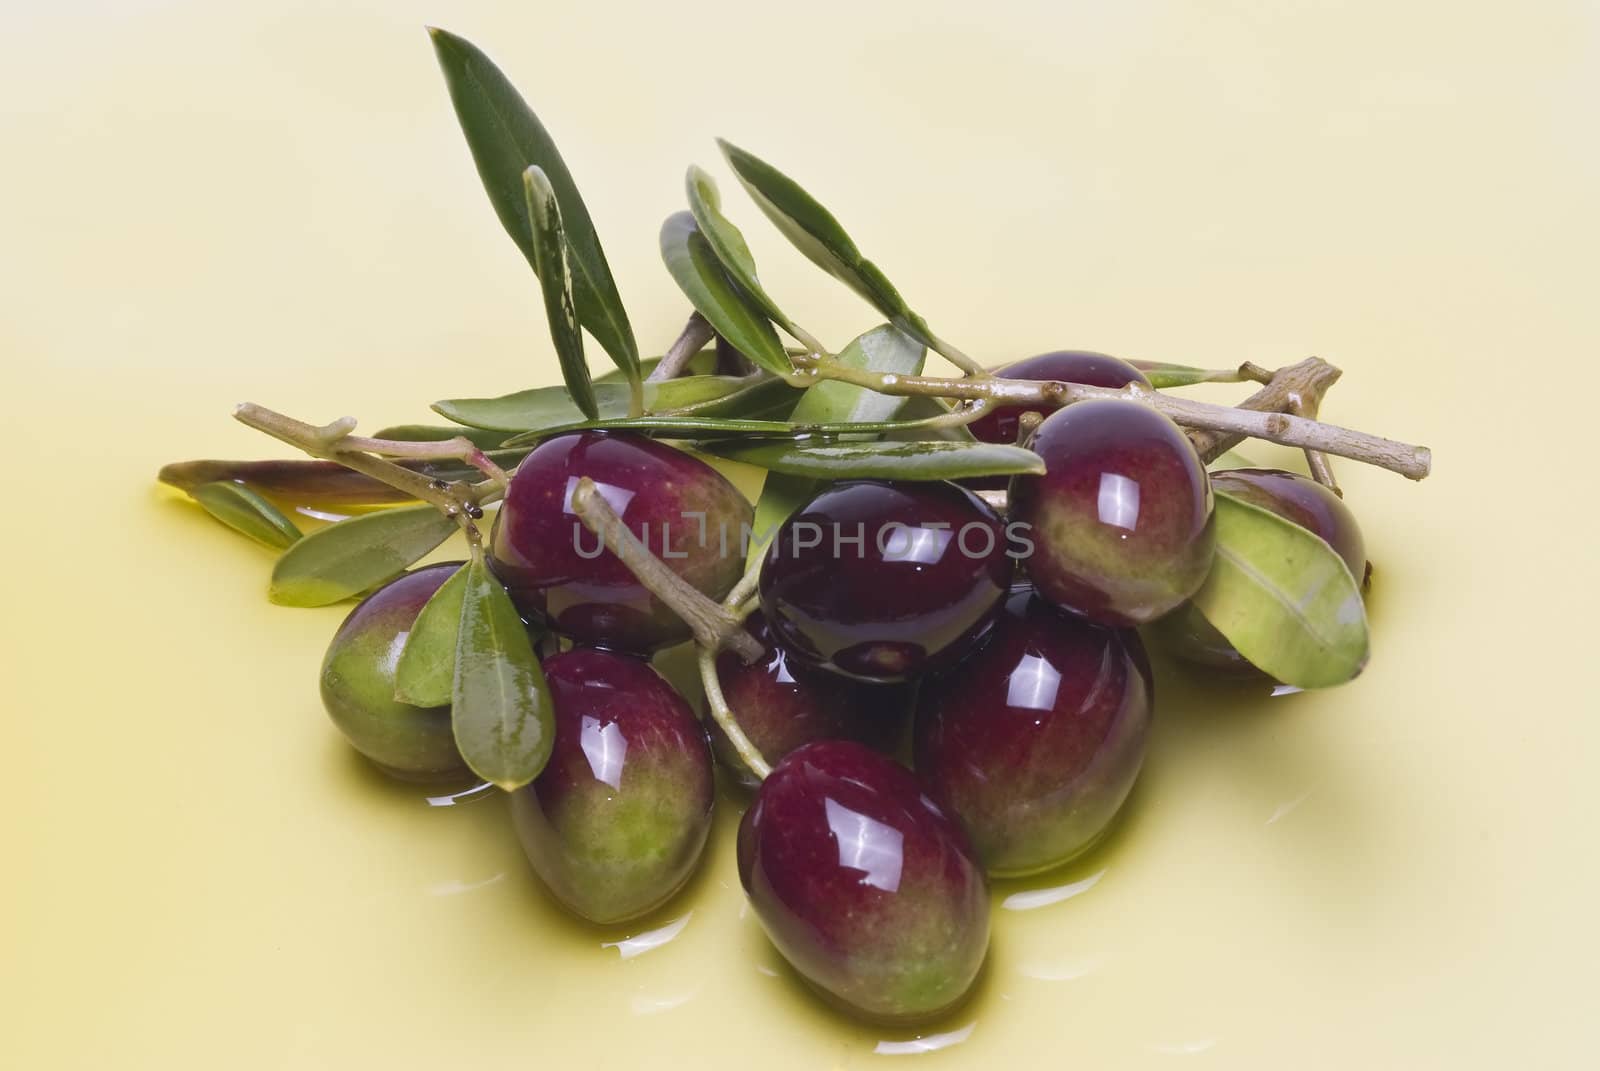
column 1163, row 376
column 1283, row 598
column 781, row 495
column 323, row 483
column 503, row 716
column 246, row 512
column 1232, row 459
column 425, row 674
column 818, row 235
column 925, row 407
column 353, row 555
column 711, row 427
column 886, row 460
column 726, row 241
column 549, row 407
column 506, row 138
column 435, row 433
column 883, row 349
column 694, row 267
column 555, row 280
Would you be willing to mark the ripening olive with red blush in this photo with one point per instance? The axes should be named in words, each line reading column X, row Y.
column 1001, row 424
column 1034, row 742
column 1121, row 521
column 1187, row 633
column 781, row 705
column 684, row 511
column 881, row 581
column 864, row 885
column 357, row 682
column 616, row 822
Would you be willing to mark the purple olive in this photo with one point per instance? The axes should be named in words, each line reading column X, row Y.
column 863, row 884
column 1121, row 520
column 1000, row 425
column 1033, row 743
column 411, row 743
column 685, row 511
column 880, row 581
column 781, row 705
column 1187, row 633
column 616, row 822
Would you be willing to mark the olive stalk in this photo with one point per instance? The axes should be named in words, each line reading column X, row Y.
column 690, row 341
column 714, row 627
column 739, row 602
column 332, row 442
column 1410, row 461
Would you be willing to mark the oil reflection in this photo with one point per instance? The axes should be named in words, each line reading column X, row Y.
column 868, row 845
column 931, row 1043
column 1036, row 898
column 606, row 749
column 467, row 795
column 649, row 940
column 456, row 886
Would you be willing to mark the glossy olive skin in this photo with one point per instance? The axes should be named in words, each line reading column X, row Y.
column 923, row 586
column 1000, row 425
column 781, row 705
column 1121, row 520
column 407, row 742
column 1034, row 742
column 554, row 567
column 1187, row 633
column 616, row 822
column 863, row 884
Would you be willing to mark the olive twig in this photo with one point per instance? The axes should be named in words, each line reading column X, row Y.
column 1321, row 469
column 690, row 341
column 722, row 714
column 330, row 443
column 1279, row 427
column 714, row 628
column 1308, row 378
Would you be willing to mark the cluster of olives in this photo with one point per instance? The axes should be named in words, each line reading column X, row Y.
column 1010, row 640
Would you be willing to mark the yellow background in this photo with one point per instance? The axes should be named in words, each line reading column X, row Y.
column 203, row 203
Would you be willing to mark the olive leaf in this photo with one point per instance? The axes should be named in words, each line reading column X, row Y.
column 246, row 512
column 555, row 281
column 1231, row 459
column 885, row 460
column 926, row 407
column 883, row 349
column 503, row 717
column 726, row 241
column 1283, row 598
column 433, row 433
column 323, row 483
column 547, row 407
column 817, row 234
column 506, row 138
column 1163, row 376
column 781, row 495
column 735, row 315
column 425, row 674
column 351, row 556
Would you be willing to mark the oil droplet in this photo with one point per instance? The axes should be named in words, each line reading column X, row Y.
column 466, row 795
column 456, row 886
column 1067, row 971
column 1035, row 898
column 649, row 940
column 647, row 1005
column 919, row 1045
